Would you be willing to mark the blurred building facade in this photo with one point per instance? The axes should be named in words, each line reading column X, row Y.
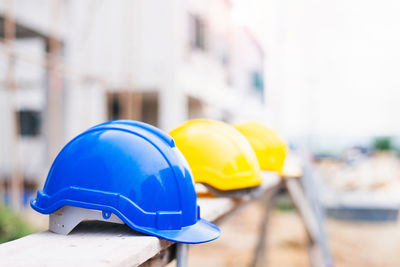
column 73, row 64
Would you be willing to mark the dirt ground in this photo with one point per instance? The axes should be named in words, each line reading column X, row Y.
column 352, row 244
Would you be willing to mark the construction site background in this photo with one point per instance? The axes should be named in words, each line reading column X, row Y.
column 324, row 74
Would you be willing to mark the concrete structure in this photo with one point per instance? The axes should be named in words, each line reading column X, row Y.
column 157, row 61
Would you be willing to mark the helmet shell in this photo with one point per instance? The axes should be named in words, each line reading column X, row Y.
column 218, row 154
column 133, row 170
column 270, row 148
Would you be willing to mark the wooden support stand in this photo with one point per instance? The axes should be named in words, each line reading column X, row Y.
column 106, row 244
column 317, row 244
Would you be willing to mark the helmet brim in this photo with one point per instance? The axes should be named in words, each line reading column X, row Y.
column 200, row 232
column 233, row 183
column 236, row 193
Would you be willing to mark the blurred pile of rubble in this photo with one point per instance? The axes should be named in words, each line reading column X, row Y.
column 378, row 172
column 371, row 179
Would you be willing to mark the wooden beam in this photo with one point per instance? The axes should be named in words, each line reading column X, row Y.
column 260, row 253
column 136, row 105
column 300, row 202
column 55, row 87
column 311, row 224
column 16, row 182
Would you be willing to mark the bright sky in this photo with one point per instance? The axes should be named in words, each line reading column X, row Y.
column 332, row 67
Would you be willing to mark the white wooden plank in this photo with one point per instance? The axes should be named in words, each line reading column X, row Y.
column 95, row 244
column 104, row 244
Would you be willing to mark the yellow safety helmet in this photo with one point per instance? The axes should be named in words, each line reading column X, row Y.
column 270, row 148
column 218, row 155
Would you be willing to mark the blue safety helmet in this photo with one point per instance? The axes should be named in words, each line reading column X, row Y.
column 133, row 170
